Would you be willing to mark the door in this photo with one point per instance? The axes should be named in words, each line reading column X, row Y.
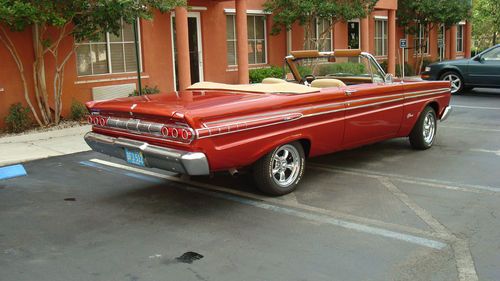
column 485, row 70
column 373, row 113
column 353, row 34
column 195, row 48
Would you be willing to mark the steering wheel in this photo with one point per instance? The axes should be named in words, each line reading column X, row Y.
column 308, row 79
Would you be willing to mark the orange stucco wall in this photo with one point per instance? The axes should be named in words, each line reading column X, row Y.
column 156, row 47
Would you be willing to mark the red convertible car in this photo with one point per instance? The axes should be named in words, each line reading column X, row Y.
column 328, row 101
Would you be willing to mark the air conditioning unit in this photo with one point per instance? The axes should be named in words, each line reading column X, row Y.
column 113, row 91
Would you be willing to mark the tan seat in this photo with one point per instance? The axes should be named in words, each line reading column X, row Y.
column 272, row 80
column 327, row 83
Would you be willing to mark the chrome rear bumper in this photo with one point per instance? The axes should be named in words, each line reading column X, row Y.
column 446, row 112
column 174, row 160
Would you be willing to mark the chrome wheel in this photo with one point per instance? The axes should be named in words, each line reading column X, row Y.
column 429, row 128
column 455, row 80
column 285, row 165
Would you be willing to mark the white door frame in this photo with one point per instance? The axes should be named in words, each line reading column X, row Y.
column 196, row 15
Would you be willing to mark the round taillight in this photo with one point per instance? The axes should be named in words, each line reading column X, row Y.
column 175, row 133
column 89, row 119
column 186, row 134
column 164, row 131
column 103, row 121
column 95, row 120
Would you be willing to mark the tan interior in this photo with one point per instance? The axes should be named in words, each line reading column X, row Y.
column 285, row 87
column 272, row 80
column 327, row 83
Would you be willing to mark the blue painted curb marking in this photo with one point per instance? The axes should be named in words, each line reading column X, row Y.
column 13, row 171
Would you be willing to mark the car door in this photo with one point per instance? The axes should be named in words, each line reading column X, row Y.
column 373, row 112
column 484, row 70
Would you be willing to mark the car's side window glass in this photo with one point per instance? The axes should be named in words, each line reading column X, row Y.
column 493, row 55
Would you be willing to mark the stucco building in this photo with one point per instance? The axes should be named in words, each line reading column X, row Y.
column 204, row 43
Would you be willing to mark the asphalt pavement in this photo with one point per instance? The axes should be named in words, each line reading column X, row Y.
column 380, row 212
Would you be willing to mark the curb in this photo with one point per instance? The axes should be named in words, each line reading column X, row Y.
column 79, row 130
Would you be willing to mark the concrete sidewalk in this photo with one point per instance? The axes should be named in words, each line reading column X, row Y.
column 22, row 148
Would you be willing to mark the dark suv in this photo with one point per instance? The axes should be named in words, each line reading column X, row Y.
column 483, row 70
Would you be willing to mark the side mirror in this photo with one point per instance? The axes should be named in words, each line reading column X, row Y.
column 389, row 78
column 479, row 59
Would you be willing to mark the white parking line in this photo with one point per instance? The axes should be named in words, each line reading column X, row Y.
column 262, row 202
column 470, row 128
column 463, row 257
column 497, row 152
column 408, row 179
column 475, row 107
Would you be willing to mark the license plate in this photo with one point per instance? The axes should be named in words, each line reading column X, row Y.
column 134, row 157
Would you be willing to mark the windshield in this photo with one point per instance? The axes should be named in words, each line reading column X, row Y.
column 351, row 70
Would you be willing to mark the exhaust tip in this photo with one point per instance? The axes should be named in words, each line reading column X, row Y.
column 234, row 172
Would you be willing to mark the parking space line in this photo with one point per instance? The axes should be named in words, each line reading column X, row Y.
column 409, row 179
column 274, row 205
column 470, row 128
column 496, row 152
column 463, row 257
column 475, row 107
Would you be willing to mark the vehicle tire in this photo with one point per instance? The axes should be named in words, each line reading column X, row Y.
column 457, row 82
column 279, row 171
column 424, row 132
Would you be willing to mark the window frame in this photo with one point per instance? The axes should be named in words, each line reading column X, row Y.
column 317, row 31
column 419, row 37
column 108, row 52
column 235, row 40
column 460, row 47
column 384, row 37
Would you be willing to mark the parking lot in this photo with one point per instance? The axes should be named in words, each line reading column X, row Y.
column 380, row 212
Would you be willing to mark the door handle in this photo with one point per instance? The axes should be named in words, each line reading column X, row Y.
column 349, row 92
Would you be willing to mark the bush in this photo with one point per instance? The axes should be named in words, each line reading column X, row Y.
column 258, row 74
column 408, row 69
column 18, row 119
column 350, row 68
column 78, row 111
column 146, row 91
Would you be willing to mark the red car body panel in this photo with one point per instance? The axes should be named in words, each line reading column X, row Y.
column 235, row 129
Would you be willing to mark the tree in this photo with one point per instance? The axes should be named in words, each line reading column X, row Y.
column 308, row 12
column 486, row 28
column 429, row 14
column 54, row 21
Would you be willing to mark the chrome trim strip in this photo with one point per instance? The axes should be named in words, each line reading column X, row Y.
column 402, row 96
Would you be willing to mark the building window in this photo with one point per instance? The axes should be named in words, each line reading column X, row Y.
column 109, row 54
column 460, row 38
column 256, row 26
column 323, row 30
column 381, row 37
column 353, row 34
column 420, row 42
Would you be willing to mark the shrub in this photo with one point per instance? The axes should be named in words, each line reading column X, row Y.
column 18, row 119
column 258, row 74
column 78, row 111
column 408, row 69
column 351, row 68
column 146, row 91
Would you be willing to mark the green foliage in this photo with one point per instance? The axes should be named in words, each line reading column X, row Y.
column 146, row 91
column 408, row 69
column 258, row 74
column 89, row 18
column 305, row 12
column 486, row 27
column 78, row 111
column 425, row 12
column 350, row 68
column 18, row 119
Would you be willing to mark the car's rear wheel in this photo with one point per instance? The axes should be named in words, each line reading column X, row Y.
column 457, row 83
column 424, row 132
column 279, row 171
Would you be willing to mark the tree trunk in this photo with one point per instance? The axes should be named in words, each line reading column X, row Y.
column 20, row 67
column 494, row 38
column 39, row 74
